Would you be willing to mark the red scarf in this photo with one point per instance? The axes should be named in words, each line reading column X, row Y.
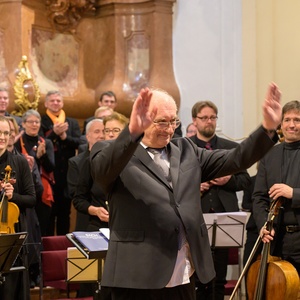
column 47, row 179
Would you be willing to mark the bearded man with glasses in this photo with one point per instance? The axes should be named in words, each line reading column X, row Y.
column 218, row 195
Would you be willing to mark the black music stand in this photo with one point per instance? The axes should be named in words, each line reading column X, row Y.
column 98, row 254
column 225, row 230
column 10, row 246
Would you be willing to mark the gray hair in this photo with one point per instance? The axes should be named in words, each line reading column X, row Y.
column 90, row 123
column 54, row 92
column 30, row 112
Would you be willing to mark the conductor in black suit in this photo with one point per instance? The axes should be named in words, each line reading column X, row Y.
column 158, row 237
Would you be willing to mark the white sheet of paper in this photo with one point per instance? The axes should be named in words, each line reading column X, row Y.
column 229, row 228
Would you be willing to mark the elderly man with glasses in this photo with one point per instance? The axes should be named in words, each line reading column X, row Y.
column 158, row 237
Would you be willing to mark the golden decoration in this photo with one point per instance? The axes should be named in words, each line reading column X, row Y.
column 64, row 15
column 26, row 89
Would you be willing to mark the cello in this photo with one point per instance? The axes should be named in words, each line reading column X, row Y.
column 9, row 212
column 271, row 277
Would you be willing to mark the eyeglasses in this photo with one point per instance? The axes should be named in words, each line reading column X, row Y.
column 5, row 133
column 164, row 124
column 113, row 131
column 296, row 121
column 192, row 131
column 206, row 118
column 33, row 122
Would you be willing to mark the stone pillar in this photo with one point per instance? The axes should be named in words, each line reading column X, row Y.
column 140, row 42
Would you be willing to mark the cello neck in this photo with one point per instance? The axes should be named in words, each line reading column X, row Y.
column 262, row 274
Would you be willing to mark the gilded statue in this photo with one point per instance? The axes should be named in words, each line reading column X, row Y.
column 26, row 90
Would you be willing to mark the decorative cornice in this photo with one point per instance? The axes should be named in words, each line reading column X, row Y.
column 65, row 15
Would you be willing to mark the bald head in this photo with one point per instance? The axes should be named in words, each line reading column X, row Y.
column 162, row 100
column 161, row 131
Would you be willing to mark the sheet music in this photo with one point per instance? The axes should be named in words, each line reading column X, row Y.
column 105, row 232
column 229, row 228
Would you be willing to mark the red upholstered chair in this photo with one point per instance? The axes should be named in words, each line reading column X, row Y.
column 54, row 263
column 233, row 260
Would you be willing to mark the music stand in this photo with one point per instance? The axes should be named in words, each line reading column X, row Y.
column 82, row 241
column 225, row 230
column 10, row 246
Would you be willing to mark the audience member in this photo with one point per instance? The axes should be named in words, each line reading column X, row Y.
column 32, row 144
column 278, row 180
column 191, row 130
column 113, row 125
column 107, row 99
column 219, row 194
column 21, row 193
column 4, row 102
column 89, row 197
column 64, row 132
column 155, row 216
column 100, row 113
column 94, row 133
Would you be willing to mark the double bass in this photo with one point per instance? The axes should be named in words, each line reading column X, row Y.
column 270, row 277
column 9, row 212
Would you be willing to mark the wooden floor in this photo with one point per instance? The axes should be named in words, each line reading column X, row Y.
column 52, row 293
column 49, row 293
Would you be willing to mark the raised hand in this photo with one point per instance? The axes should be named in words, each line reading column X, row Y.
column 142, row 114
column 272, row 108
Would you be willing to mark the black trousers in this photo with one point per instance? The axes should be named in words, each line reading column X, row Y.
column 181, row 292
column 215, row 289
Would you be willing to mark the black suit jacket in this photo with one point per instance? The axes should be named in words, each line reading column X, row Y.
column 145, row 212
column 225, row 194
column 74, row 169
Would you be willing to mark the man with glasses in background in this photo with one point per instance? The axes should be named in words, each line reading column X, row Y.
column 218, row 195
column 158, row 237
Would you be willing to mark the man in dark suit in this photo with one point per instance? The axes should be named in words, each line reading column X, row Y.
column 94, row 133
column 218, row 195
column 158, row 237
column 64, row 132
column 278, row 180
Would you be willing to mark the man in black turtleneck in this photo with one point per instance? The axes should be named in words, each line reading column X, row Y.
column 278, row 178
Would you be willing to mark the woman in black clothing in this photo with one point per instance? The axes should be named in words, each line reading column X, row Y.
column 22, row 193
column 31, row 144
